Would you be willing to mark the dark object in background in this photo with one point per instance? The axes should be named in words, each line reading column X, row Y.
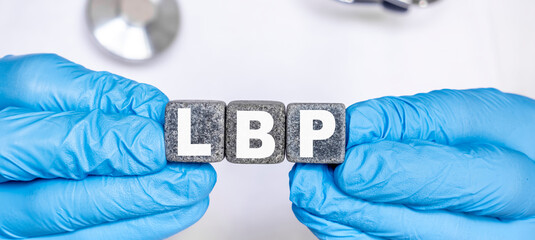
column 133, row 30
column 395, row 5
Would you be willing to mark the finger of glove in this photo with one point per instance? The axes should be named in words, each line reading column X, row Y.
column 76, row 144
column 51, row 83
column 312, row 189
column 480, row 179
column 158, row 226
column 55, row 206
column 448, row 117
column 328, row 230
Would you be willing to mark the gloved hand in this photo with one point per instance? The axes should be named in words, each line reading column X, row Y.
column 75, row 150
column 443, row 165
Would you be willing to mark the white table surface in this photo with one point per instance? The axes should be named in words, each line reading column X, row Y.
column 296, row 50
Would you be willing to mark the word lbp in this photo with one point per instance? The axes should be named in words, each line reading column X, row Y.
column 248, row 132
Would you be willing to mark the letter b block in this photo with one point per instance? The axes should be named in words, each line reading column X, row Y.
column 194, row 131
column 315, row 133
column 255, row 132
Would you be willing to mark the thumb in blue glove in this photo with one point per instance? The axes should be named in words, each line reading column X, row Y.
column 443, row 165
column 75, row 151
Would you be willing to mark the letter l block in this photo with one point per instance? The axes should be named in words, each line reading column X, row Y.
column 194, row 131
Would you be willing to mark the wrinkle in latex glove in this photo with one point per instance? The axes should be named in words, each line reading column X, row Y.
column 313, row 190
column 76, row 144
column 443, row 165
column 60, row 121
column 49, row 82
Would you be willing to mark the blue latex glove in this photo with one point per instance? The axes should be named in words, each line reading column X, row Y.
column 443, row 165
column 74, row 145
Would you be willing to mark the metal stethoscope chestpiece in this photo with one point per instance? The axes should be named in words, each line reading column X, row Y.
column 133, row 30
column 396, row 5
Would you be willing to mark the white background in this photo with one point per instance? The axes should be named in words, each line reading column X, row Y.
column 296, row 50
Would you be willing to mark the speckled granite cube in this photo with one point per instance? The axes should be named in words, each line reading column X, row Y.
column 276, row 110
column 328, row 151
column 207, row 127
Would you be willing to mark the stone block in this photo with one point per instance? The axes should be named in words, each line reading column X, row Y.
column 315, row 133
column 195, row 131
column 255, row 132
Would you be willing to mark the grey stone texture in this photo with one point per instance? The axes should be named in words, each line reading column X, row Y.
column 328, row 151
column 207, row 127
column 277, row 111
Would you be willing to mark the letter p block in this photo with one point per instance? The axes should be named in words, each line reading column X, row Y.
column 315, row 133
